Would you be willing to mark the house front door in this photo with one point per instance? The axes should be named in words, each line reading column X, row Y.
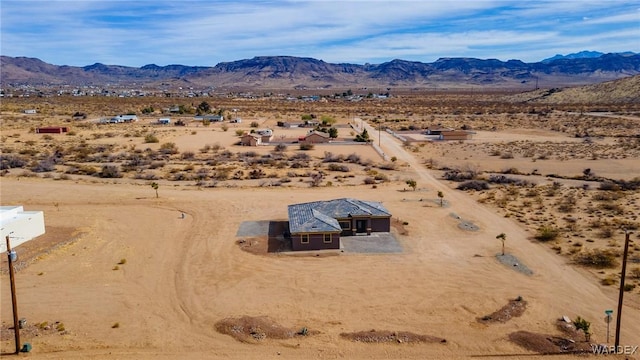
column 361, row 226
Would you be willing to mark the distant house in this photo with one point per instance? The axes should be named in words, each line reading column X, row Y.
column 251, row 139
column 317, row 137
column 30, row 111
column 287, row 124
column 164, row 121
column 265, row 134
column 123, row 119
column 52, row 130
column 455, row 135
column 318, row 225
column 437, row 130
column 213, row 118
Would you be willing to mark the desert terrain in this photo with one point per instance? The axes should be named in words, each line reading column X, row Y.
column 122, row 274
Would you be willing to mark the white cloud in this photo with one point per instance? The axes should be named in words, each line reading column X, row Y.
column 207, row 32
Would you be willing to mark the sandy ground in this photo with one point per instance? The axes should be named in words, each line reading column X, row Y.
column 181, row 276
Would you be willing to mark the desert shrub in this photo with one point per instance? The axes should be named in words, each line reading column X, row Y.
column 609, row 186
column 254, row 124
column 188, row 155
column 330, row 157
column 157, row 164
column 10, row 161
column 338, row 167
column 608, row 281
column 501, row 179
column 151, row 138
column 473, row 185
column 44, row 165
column 81, row 170
column 632, row 185
column 280, row 148
column 605, row 233
column 612, row 207
column 110, row 171
column 381, row 177
column 306, row 146
column 458, row 175
column 387, row 166
column 629, row 287
column 635, row 273
column 506, row 155
column 256, row 174
column 300, row 156
column 369, row 180
column 597, row 258
column 169, row 148
column 546, row 233
column 353, row 158
column 511, row 170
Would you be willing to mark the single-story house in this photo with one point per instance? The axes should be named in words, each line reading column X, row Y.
column 455, row 135
column 212, row 118
column 52, row 130
column 317, row 137
column 266, row 134
column 251, row 139
column 318, row 225
column 436, row 130
column 287, row 124
column 123, row 119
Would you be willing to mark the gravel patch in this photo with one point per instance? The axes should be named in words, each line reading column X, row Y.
column 253, row 228
column 465, row 224
column 374, row 243
column 514, row 263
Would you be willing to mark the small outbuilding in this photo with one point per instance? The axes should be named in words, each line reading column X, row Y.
column 21, row 226
column 52, row 130
column 250, row 139
column 164, row 121
column 455, row 135
column 317, row 137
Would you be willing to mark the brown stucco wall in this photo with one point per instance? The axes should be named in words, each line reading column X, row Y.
column 316, row 242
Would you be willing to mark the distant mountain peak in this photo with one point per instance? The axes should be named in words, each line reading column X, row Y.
column 585, row 54
column 297, row 72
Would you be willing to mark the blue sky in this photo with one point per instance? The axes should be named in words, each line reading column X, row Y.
column 204, row 33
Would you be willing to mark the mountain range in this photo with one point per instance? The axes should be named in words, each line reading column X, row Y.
column 300, row 72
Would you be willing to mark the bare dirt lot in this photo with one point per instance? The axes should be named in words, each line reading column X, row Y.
column 131, row 278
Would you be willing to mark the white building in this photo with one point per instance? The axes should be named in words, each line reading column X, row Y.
column 20, row 225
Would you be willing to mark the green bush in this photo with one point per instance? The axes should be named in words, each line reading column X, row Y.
column 547, row 233
column 597, row 258
column 151, row 138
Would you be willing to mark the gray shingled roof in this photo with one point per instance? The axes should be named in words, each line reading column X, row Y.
column 320, row 216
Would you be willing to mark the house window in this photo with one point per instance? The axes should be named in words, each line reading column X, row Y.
column 345, row 225
column 304, row 239
column 327, row 238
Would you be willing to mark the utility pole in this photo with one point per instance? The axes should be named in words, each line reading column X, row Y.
column 16, row 328
column 621, row 294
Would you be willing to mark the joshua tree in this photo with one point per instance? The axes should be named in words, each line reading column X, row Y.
column 412, row 183
column 503, row 238
column 584, row 325
column 154, row 185
column 441, row 196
